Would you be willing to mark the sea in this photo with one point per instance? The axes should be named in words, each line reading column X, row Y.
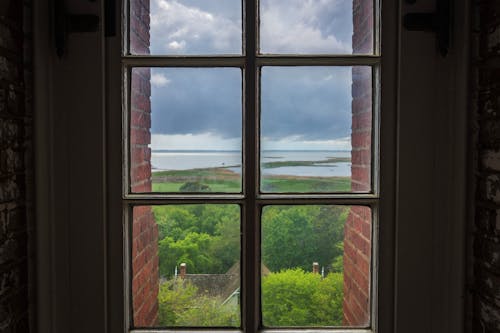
column 162, row 160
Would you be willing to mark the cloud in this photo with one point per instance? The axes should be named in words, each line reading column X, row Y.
column 159, row 80
column 184, row 27
column 310, row 103
column 306, row 26
column 307, row 106
column 189, row 141
column 197, row 100
column 295, row 143
column 177, row 46
column 211, row 141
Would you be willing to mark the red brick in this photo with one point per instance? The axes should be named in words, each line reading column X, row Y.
column 363, row 120
column 361, row 158
column 141, row 187
column 140, row 136
column 361, row 139
column 361, row 104
column 361, row 174
column 141, row 115
column 140, row 85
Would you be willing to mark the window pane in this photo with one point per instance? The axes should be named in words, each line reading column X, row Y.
column 316, row 265
column 186, row 137
column 185, row 27
column 316, row 129
column 316, row 26
column 186, row 265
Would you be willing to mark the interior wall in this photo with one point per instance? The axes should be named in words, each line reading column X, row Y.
column 484, row 233
column 16, row 168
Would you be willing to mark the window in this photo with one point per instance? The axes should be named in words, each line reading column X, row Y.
column 251, row 188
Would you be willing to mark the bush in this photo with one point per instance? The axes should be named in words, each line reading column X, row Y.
column 179, row 305
column 295, row 298
column 194, row 187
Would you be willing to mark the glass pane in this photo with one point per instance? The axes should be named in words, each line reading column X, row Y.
column 316, row 266
column 186, row 266
column 316, row 26
column 185, row 27
column 186, row 136
column 316, row 129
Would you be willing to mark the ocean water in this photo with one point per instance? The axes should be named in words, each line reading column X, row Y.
column 185, row 160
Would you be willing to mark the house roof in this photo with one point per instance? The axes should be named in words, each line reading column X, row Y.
column 220, row 285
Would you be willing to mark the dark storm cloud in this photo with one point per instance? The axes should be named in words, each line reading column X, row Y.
column 197, row 101
column 309, row 103
column 312, row 104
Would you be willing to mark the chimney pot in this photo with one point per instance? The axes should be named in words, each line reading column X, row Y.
column 315, row 268
column 183, row 270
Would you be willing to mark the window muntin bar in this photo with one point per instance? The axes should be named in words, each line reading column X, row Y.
column 251, row 62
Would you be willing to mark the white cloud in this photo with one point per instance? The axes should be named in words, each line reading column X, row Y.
column 159, row 80
column 181, row 28
column 297, row 143
column 210, row 141
column 204, row 141
column 295, row 26
column 175, row 45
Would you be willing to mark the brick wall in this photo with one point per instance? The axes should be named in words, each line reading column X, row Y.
column 485, row 130
column 16, row 169
column 357, row 230
column 145, row 281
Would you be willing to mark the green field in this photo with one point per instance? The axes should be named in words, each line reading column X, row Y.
column 223, row 180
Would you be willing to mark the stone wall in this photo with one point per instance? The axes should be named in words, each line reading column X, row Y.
column 485, row 130
column 16, row 168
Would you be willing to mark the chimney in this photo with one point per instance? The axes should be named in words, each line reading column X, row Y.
column 183, row 268
column 315, row 268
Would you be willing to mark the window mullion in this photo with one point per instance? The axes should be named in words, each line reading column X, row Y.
column 251, row 225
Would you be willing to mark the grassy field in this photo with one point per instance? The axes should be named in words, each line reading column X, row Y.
column 278, row 164
column 227, row 181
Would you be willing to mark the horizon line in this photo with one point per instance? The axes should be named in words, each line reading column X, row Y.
column 236, row 151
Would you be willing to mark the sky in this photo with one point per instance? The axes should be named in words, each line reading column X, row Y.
column 201, row 108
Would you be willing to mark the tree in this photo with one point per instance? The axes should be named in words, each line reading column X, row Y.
column 192, row 250
column 205, row 237
column 297, row 236
column 288, row 237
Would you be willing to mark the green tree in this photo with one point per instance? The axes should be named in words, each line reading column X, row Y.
column 297, row 236
column 288, row 235
column 329, row 224
column 192, row 250
column 205, row 237
column 174, row 221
